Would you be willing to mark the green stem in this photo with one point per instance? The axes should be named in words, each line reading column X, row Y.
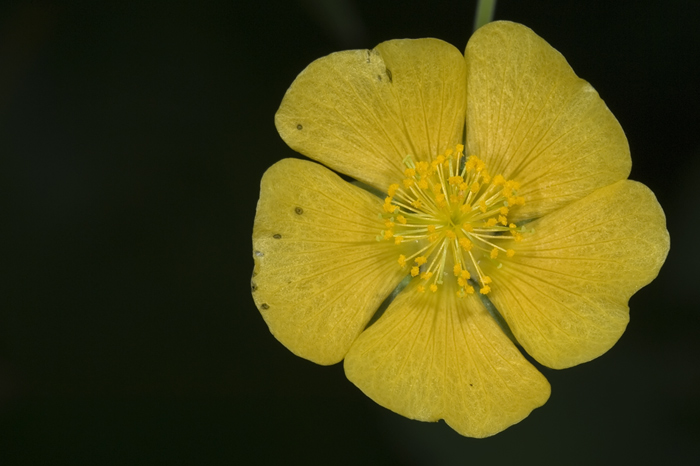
column 484, row 13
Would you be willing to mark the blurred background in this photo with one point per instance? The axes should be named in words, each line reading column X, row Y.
column 133, row 136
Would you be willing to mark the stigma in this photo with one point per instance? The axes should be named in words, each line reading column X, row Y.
column 455, row 215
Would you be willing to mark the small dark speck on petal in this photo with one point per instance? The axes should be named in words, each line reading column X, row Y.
column 388, row 73
column 253, row 287
column 277, row 236
column 299, row 127
column 259, row 253
column 379, row 77
column 264, row 306
column 298, row 210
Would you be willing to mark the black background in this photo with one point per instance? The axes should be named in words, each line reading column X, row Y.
column 132, row 140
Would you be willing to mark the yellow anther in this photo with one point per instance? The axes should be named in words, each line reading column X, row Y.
column 502, row 220
column 498, row 180
column 423, row 184
column 402, row 261
column 465, row 208
column 389, row 208
column 504, row 210
column 434, row 237
column 440, row 159
column 433, row 287
column 510, row 253
column 512, row 184
column 426, row 275
column 422, row 168
column 454, row 199
column 421, row 289
column 431, row 228
column 415, row 271
column 388, row 234
column 474, row 188
column 467, row 227
column 469, row 290
column 515, row 233
column 461, row 281
column 466, row 244
column 485, row 177
column 437, row 188
column 463, row 186
column 485, row 289
column 417, row 204
column 455, row 180
column 457, row 269
column 465, row 275
column 460, row 148
column 389, row 224
column 450, row 234
column 392, row 189
column 494, row 253
column 486, row 280
column 398, row 240
column 409, row 172
column 482, row 206
column 490, row 222
column 420, row 260
column 408, row 182
column 401, row 219
column 440, row 200
column 512, row 226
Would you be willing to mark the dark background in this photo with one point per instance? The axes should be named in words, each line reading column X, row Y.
column 132, row 140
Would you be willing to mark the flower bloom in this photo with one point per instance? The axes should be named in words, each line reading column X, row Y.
column 505, row 180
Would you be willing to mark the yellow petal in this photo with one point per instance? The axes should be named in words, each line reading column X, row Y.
column 319, row 272
column 530, row 118
column 434, row 356
column 565, row 292
column 361, row 112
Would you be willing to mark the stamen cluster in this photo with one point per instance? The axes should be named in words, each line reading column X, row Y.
column 457, row 214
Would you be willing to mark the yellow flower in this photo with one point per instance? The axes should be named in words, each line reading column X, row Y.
column 532, row 209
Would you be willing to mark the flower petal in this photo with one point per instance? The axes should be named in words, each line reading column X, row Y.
column 530, row 118
column 564, row 294
column 433, row 356
column 360, row 112
column 319, row 272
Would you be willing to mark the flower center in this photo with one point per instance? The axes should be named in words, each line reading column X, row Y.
column 457, row 215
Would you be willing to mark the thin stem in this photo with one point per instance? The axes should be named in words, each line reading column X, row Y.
column 484, row 13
